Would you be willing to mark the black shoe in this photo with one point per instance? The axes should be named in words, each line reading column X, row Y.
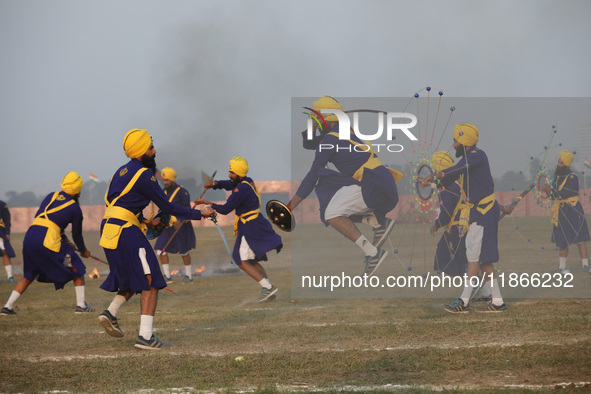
column 149, row 344
column 381, row 233
column 110, row 324
column 372, row 263
column 457, row 307
column 5, row 311
column 267, row 294
column 86, row 308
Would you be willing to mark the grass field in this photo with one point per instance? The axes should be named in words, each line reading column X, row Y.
column 303, row 344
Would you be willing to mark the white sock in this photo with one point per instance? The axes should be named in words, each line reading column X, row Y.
column 485, row 290
column 166, row 269
column 265, row 283
column 497, row 298
column 13, row 297
column 366, row 246
column 146, row 323
column 585, row 263
column 188, row 271
column 8, row 269
column 116, row 304
column 466, row 293
column 562, row 263
column 80, row 301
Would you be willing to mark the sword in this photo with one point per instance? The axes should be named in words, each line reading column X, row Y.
column 213, row 219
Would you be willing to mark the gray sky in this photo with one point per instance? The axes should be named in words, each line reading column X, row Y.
column 214, row 79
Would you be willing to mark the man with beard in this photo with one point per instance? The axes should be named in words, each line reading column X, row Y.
column 254, row 234
column 133, row 264
column 47, row 253
column 568, row 220
column 362, row 187
column 481, row 213
column 184, row 238
column 6, row 249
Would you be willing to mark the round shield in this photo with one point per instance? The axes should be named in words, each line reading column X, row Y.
column 280, row 215
column 154, row 233
column 424, row 193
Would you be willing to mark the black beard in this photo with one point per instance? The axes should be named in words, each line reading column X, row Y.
column 236, row 181
column 149, row 162
column 562, row 171
column 460, row 151
column 76, row 197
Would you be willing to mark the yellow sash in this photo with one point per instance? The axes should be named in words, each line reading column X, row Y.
column 559, row 203
column 483, row 207
column 112, row 232
column 460, row 207
column 372, row 162
column 173, row 218
column 248, row 216
column 53, row 237
column 2, row 223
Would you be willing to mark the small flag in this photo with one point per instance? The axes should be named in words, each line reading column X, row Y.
column 205, row 177
column 93, row 178
column 587, row 163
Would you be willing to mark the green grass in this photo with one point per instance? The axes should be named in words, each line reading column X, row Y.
column 300, row 344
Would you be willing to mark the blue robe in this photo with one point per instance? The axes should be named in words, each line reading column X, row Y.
column 126, row 270
column 450, row 256
column 5, row 229
column 572, row 226
column 258, row 232
column 184, row 240
column 44, row 264
column 478, row 184
column 378, row 186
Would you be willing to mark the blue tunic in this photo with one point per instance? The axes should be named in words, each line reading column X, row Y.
column 5, row 229
column 184, row 240
column 126, row 270
column 258, row 232
column 572, row 226
column 450, row 256
column 378, row 186
column 44, row 264
column 478, row 184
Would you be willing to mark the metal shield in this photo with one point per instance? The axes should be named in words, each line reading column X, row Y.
column 280, row 215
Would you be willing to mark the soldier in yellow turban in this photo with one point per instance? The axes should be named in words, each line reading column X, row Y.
column 481, row 213
column 133, row 264
column 569, row 226
column 180, row 236
column 362, row 189
column 254, row 234
column 48, row 256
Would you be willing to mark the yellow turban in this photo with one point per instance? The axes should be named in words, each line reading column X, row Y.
column 327, row 102
column 441, row 160
column 466, row 134
column 239, row 166
column 72, row 183
column 169, row 173
column 566, row 157
column 136, row 142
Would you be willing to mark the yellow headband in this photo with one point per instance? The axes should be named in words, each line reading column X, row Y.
column 327, row 102
column 72, row 183
column 136, row 142
column 466, row 134
column 169, row 173
column 566, row 157
column 239, row 166
column 441, row 160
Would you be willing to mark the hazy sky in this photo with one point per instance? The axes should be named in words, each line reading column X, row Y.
column 214, row 79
